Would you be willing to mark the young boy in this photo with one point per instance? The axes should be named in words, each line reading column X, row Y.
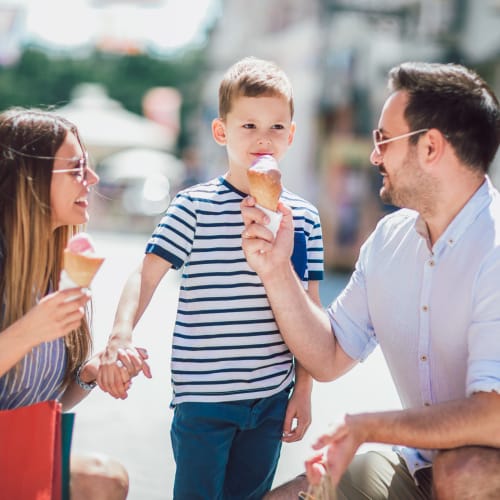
column 232, row 374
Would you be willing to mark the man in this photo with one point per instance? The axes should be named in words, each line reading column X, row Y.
column 426, row 288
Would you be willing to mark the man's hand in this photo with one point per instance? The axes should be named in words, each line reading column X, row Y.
column 262, row 251
column 338, row 449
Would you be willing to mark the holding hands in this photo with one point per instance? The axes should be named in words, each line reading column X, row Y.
column 119, row 363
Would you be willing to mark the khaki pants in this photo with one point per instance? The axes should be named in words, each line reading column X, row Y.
column 378, row 475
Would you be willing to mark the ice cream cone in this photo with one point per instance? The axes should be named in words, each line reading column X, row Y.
column 80, row 268
column 264, row 179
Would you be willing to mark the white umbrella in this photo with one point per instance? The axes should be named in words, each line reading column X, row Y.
column 106, row 127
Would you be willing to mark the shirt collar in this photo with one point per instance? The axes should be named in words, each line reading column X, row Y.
column 457, row 227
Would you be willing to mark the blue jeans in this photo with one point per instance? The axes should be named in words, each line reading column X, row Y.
column 227, row 450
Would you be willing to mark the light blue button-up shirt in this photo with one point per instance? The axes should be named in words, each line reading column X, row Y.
column 434, row 311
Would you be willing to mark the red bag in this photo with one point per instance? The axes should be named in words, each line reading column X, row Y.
column 30, row 452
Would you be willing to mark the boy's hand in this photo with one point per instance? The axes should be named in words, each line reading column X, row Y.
column 298, row 416
column 119, row 363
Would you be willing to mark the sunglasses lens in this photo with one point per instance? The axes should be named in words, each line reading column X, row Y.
column 84, row 164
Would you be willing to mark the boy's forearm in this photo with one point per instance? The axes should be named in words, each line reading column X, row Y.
column 303, row 379
column 137, row 294
column 126, row 315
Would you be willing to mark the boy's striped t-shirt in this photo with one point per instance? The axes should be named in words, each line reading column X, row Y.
column 226, row 344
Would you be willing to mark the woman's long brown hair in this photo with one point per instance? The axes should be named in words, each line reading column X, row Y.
column 32, row 251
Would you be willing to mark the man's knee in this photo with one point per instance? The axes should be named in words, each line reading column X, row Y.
column 471, row 472
column 290, row 490
column 98, row 477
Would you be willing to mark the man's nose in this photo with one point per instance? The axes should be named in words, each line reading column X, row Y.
column 375, row 158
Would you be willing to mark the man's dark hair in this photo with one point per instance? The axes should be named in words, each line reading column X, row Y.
column 457, row 102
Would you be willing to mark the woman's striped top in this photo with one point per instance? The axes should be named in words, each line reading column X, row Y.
column 38, row 376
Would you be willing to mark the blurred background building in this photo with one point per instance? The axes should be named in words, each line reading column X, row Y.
column 140, row 79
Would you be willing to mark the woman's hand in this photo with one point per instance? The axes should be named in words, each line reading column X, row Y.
column 56, row 315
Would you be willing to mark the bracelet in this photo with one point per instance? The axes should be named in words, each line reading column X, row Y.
column 84, row 385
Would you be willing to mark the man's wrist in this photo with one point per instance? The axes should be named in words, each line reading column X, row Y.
column 360, row 425
column 274, row 276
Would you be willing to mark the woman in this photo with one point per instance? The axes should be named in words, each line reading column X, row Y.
column 45, row 342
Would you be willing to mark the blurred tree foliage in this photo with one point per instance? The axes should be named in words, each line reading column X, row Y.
column 41, row 80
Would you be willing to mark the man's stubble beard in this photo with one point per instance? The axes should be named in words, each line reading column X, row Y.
column 417, row 190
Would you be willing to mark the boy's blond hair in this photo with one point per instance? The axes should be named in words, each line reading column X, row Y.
column 252, row 77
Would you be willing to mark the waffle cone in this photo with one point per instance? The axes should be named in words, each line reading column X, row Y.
column 81, row 268
column 265, row 187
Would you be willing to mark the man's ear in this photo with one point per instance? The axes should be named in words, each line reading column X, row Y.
column 292, row 133
column 219, row 131
column 435, row 143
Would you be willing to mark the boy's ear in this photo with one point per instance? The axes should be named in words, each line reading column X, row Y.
column 219, row 131
column 292, row 133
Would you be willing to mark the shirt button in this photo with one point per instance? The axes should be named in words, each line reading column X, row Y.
column 423, row 357
column 427, row 403
column 431, row 263
column 425, row 308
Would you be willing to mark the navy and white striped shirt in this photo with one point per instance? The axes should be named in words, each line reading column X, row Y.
column 226, row 344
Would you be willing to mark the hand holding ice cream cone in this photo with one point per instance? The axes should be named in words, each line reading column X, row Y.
column 264, row 178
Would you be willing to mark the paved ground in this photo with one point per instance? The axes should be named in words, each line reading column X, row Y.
column 136, row 431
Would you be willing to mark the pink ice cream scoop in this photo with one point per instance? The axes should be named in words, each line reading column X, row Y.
column 80, row 262
column 81, row 243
